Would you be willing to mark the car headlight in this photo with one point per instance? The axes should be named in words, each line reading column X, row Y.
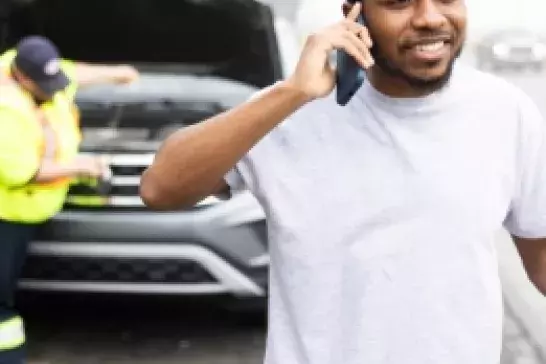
column 501, row 50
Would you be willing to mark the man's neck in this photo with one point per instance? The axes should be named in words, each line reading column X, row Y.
column 396, row 87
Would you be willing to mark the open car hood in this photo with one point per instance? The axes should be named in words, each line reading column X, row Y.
column 233, row 39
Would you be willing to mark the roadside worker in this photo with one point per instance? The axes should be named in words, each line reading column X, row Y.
column 382, row 214
column 39, row 141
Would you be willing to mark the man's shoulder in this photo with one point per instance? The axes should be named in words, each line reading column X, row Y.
column 503, row 96
column 299, row 129
column 8, row 56
column 487, row 85
column 13, row 98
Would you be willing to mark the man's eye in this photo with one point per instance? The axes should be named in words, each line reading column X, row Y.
column 397, row 3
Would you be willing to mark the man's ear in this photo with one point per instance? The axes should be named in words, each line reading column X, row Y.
column 18, row 75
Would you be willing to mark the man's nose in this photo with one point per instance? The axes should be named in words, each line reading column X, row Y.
column 428, row 15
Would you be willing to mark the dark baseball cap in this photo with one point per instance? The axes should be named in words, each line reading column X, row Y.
column 38, row 58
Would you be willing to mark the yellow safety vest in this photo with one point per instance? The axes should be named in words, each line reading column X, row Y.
column 37, row 202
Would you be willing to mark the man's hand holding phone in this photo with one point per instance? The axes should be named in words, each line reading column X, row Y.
column 314, row 76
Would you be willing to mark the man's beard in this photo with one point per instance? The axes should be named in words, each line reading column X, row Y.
column 418, row 83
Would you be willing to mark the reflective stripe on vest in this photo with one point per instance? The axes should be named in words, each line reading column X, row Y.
column 12, row 334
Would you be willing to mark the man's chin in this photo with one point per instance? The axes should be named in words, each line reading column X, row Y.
column 429, row 79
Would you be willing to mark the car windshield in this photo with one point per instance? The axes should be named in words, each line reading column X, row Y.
column 230, row 38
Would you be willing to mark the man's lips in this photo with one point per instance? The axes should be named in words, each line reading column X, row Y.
column 412, row 42
column 429, row 49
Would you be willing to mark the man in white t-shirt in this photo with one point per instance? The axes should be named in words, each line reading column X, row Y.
column 381, row 214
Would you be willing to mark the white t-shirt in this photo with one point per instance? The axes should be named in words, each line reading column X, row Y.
column 382, row 217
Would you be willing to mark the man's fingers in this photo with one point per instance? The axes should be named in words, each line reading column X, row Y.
column 353, row 50
column 357, row 42
column 362, row 47
column 360, row 30
column 355, row 11
column 365, row 37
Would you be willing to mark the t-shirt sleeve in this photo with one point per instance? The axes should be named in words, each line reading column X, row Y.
column 235, row 180
column 527, row 216
column 238, row 178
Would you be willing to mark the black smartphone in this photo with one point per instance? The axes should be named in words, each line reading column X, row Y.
column 349, row 74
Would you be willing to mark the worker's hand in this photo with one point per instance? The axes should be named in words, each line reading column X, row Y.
column 314, row 76
column 126, row 74
column 91, row 166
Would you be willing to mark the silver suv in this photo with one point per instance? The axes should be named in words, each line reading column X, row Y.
column 197, row 58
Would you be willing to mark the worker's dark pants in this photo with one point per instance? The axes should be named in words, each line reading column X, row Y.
column 14, row 241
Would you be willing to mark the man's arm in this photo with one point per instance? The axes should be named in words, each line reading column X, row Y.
column 90, row 74
column 192, row 163
column 533, row 255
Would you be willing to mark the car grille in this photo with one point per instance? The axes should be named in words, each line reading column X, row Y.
column 116, row 270
column 123, row 191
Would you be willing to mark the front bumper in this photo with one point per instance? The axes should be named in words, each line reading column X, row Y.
column 217, row 249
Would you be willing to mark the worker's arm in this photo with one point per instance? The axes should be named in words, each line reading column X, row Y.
column 83, row 74
column 51, row 171
column 20, row 158
column 86, row 74
column 533, row 255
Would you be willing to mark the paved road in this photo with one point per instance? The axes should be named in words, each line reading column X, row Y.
column 93, row 331
column 141, row 331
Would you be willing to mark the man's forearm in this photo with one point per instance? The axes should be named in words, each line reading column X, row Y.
column 533, row 255
column 192, row 162
column 51, row 171
column 90, row 74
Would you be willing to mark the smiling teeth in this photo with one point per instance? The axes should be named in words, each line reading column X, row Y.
column 431, row 47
